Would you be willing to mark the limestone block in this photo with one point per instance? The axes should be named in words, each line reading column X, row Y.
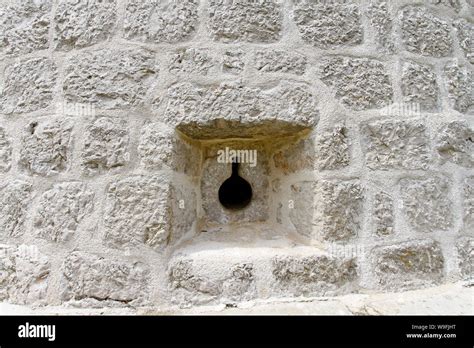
column 426, row 203
column 465, row 34
column 455, row 143
column 61, row 210
column 327, row 210
column 5, row 151
column 328, row 24
column 86, row 276
column 360, row 83
column 110, row 78
column 459, row 83
column 83, row 23
column 233, row 61
column 468, row 204
column 383, row 217
column 465, row 250
column 418, row 83
column 414, row 263
column 232, row 110
column 24, row 274
column 14, row 202
column 191, row 61
column 46, row 146
column 105, row 146
column 424, row 33
column 245, row 21
column 28, row 85
column 273, row 61
column 24, row 26
column 395, row 145
column 381, row 20
column 160, row 21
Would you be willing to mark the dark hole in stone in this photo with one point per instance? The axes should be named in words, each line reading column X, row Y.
column 235, row 192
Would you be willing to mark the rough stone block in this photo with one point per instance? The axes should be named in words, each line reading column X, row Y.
column 5, row 151
column 245, row 21
column 423, row 33
column 314, row 275
column 274, row 61
column 141, row 210
column 191, row 61
column 455, row 143
column 46, row 146
column 160, row 21
column 426, row 203
column 459, row 83
column 14, row 202
column 110, row 78
column 86, row 276
column 83, row 23
column 415, row 263
column 383, row 217
column 24, row 26
column 328, row 24
column 233, row 62
column 24, row 274
column 419, row 86
column 395, row 145
column 328, row 211
column 468, row 204
column 161, row 148
column 61, row 210
column 105, row 145
column 28, row 85
column 381, row 21
column 465, row 33
column 360, row 83
column 232, row 110
column 465, row 250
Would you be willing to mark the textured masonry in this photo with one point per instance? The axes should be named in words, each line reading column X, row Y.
column 114, row 115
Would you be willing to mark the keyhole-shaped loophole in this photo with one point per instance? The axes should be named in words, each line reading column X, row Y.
column 235, row 192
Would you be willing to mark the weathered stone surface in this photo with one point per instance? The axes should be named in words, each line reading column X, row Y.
column 232, row 110
column 5, row 151
column 328, row 24
column 459, row 83
column 191, row 61
column 423, row 33
column 83, row 23
column 46, row 146
column 280, row 61
column 246, row 21
column 465, row 33
column 383, row 218
column 61, row 210
column 395, row 144
column 161, row 148
column 382, row 21
column 24, row 274
column 419, row 86
column 465, row 250
column 329, row 210
column 87, row 276
column 24, row 26
column 360, row 83
column 468, row 204
column 105, row 145
column 233, row 62
column 415, row 263
column 191, row 284
column 14, row 202
column 447, row 4
column 426, row 203
column 28, row 85
column 110, row 78
column 314, row 275
column 328, row 149
column 160, row 21
column 455, row 143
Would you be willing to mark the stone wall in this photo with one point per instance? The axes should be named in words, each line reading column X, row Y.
column 111, row 113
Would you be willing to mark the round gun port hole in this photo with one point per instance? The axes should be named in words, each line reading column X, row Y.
column 235, row 192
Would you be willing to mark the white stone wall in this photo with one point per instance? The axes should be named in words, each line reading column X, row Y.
column 363, row 113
